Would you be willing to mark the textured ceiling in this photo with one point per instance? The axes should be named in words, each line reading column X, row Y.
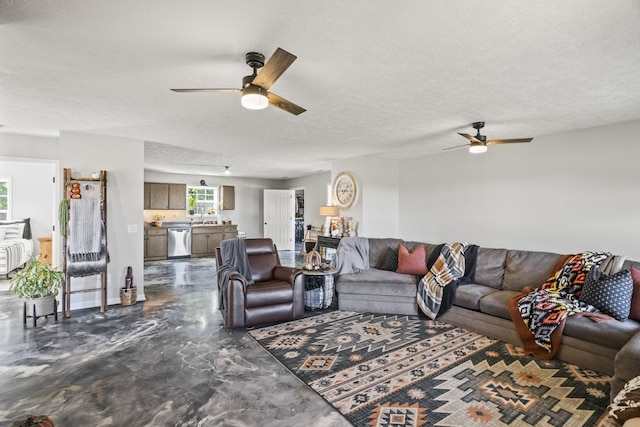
column 395, row 79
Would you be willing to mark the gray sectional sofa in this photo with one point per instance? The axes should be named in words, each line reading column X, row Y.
column 611, row 347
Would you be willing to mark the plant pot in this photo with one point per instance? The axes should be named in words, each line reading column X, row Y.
column 43, row 306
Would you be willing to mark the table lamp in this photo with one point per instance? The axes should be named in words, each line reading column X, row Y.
column 328, row 211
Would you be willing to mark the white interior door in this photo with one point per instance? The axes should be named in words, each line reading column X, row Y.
column 279, row 222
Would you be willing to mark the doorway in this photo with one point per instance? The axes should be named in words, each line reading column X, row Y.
column 299, row 216
column 279, row 218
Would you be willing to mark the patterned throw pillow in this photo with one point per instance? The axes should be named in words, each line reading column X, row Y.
column 609, row 294
column 12, row 232
column 24, row 224
column 390, row 261
column 626, row 404
column 412, row 262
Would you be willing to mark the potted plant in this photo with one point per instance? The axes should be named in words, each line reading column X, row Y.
column 38, row 283
column 192, row 205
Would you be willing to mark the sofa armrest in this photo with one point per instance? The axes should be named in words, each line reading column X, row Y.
column 233, row 312
column 286, row 274
column 627, row 364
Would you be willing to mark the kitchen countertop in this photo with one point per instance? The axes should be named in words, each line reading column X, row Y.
column 183, row 224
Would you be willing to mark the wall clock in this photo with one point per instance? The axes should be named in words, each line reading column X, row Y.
column 345, row 190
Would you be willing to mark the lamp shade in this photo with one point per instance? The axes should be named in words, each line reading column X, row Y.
column 254, row 98
column 477, row 148
column 329, row 210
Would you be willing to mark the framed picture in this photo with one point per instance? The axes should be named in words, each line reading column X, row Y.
column 340, row 227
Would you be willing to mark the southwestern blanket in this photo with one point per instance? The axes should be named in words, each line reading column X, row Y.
column 539, row 315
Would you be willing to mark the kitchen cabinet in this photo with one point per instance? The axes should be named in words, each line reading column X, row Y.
column 178, row 196
column 147, row 195
column 227, row 197
column 205, row 240
column 160, row 196
column 155, row 244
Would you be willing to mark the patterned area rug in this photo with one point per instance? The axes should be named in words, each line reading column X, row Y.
column 405, row 371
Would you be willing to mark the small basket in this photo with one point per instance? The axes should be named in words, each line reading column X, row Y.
column 128, row 296
column 313, row 260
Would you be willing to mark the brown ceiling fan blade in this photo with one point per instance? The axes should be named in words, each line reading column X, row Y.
column 283, row 104
column 207, row 90
column 273, row 69
column 470, row 137
column 457, row 146
column 508, row 141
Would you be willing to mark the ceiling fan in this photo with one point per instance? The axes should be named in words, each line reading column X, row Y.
column 255, row 87
column 479, row 142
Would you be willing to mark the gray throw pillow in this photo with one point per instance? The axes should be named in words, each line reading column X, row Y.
column 609, row 294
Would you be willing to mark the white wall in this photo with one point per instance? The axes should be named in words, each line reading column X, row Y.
column 315, row 195
column 123, row 159
column 248, row 212
column 563, row 193
column 376, row 208
column 28, row 146
column 32, row 194
column 42, row 154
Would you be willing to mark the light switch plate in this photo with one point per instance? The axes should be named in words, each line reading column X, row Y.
column 133, row 228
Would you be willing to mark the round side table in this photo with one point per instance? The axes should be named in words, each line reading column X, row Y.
column 318, row 288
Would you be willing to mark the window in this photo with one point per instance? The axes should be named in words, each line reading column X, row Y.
column 202, row 200
column 5, row 192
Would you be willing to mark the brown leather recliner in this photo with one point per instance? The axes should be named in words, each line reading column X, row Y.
column 276, row 295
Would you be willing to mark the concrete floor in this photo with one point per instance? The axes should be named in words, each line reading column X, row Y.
column 166, row 362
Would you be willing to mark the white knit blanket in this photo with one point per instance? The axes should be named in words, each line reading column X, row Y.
column 85, row 229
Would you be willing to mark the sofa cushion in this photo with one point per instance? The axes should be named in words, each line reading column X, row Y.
column 268, row 293
column 528, row 268
column 377, row 282
column 378, row 248
column 490, row 266
column 414, row 262
column 428, row 247
column 374, row 275
column 610, row 333
column 609, row 294
column 497, row 304
column 389, row 261
column 469, row 296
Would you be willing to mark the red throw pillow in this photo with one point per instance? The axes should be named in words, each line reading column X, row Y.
column 635, row 297
column 412, row 262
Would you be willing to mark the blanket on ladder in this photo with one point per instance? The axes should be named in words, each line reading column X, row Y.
column 453, row 265
column 539, row 315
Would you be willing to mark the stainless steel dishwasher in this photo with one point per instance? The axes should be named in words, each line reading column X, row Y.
column 179, row 242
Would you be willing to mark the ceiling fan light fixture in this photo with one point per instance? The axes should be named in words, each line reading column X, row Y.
column 254, row 98
column 477, row 148
column 227, row 171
